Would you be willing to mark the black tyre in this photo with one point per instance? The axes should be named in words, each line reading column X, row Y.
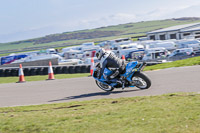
column 65, row 70
column 77, row 69
column 83, row 69
column 39, row 71
column 2, row 74
column 14, row 72
column 26, row 71
column 45, row 71
column 88, row 69
column 33, row 71
column 104, row 86
column 141, row 81
column 71, row 69
column 58, row 70
column 7, row 72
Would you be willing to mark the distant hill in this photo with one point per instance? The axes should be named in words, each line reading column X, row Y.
column 76, row 35
column 96, row 35
column 187, row 19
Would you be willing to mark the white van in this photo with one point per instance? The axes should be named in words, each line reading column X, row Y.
column 167, row 45
column 126, row 49
column 155, row 53
column 72, row 54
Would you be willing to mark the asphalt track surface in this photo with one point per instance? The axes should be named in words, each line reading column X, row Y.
column 184, row 79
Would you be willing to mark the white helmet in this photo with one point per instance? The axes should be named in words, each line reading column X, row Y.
column 99, row 53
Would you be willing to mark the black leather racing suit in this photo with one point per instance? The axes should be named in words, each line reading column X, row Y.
column 110, row 60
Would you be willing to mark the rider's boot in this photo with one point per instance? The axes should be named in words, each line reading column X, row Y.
column 119, row 82
column 122, row 83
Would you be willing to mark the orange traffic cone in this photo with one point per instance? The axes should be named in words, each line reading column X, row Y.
column 50, row 72
column 21, row 74
column 92, row 66
column 123, row 58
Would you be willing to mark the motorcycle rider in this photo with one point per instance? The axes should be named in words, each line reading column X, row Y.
column 109, row 60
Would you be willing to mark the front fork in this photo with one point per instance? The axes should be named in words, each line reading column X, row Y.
column 142, row 66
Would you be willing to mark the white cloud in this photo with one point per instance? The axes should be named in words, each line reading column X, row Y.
column 191, row 11
column 161, row 13
column 114, row 19
column 122, row 17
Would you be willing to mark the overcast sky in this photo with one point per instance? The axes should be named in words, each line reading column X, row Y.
column 25, row 19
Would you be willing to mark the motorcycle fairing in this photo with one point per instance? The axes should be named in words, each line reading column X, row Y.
column 107, row 72
column 130, row 69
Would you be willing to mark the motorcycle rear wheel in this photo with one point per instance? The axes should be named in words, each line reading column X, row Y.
column 104, row 86
column 141, row 81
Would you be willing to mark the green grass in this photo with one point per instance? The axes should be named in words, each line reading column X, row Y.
column 6, row 54
column 41, row 77
column 178, row 63
column 172, row 113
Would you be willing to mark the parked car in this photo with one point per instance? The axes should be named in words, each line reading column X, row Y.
column 182, row 52
column 51, row 51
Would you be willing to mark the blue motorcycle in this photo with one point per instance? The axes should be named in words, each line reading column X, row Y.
column 131, row 77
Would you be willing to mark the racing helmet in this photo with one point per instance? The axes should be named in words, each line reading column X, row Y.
column 99, row 53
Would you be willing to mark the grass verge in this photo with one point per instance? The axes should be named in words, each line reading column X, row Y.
column 179, row 63
column 41, row 77
column 170, row 113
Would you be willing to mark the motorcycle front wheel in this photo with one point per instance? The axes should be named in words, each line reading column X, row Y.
column 104, row 86
column 141, row 81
